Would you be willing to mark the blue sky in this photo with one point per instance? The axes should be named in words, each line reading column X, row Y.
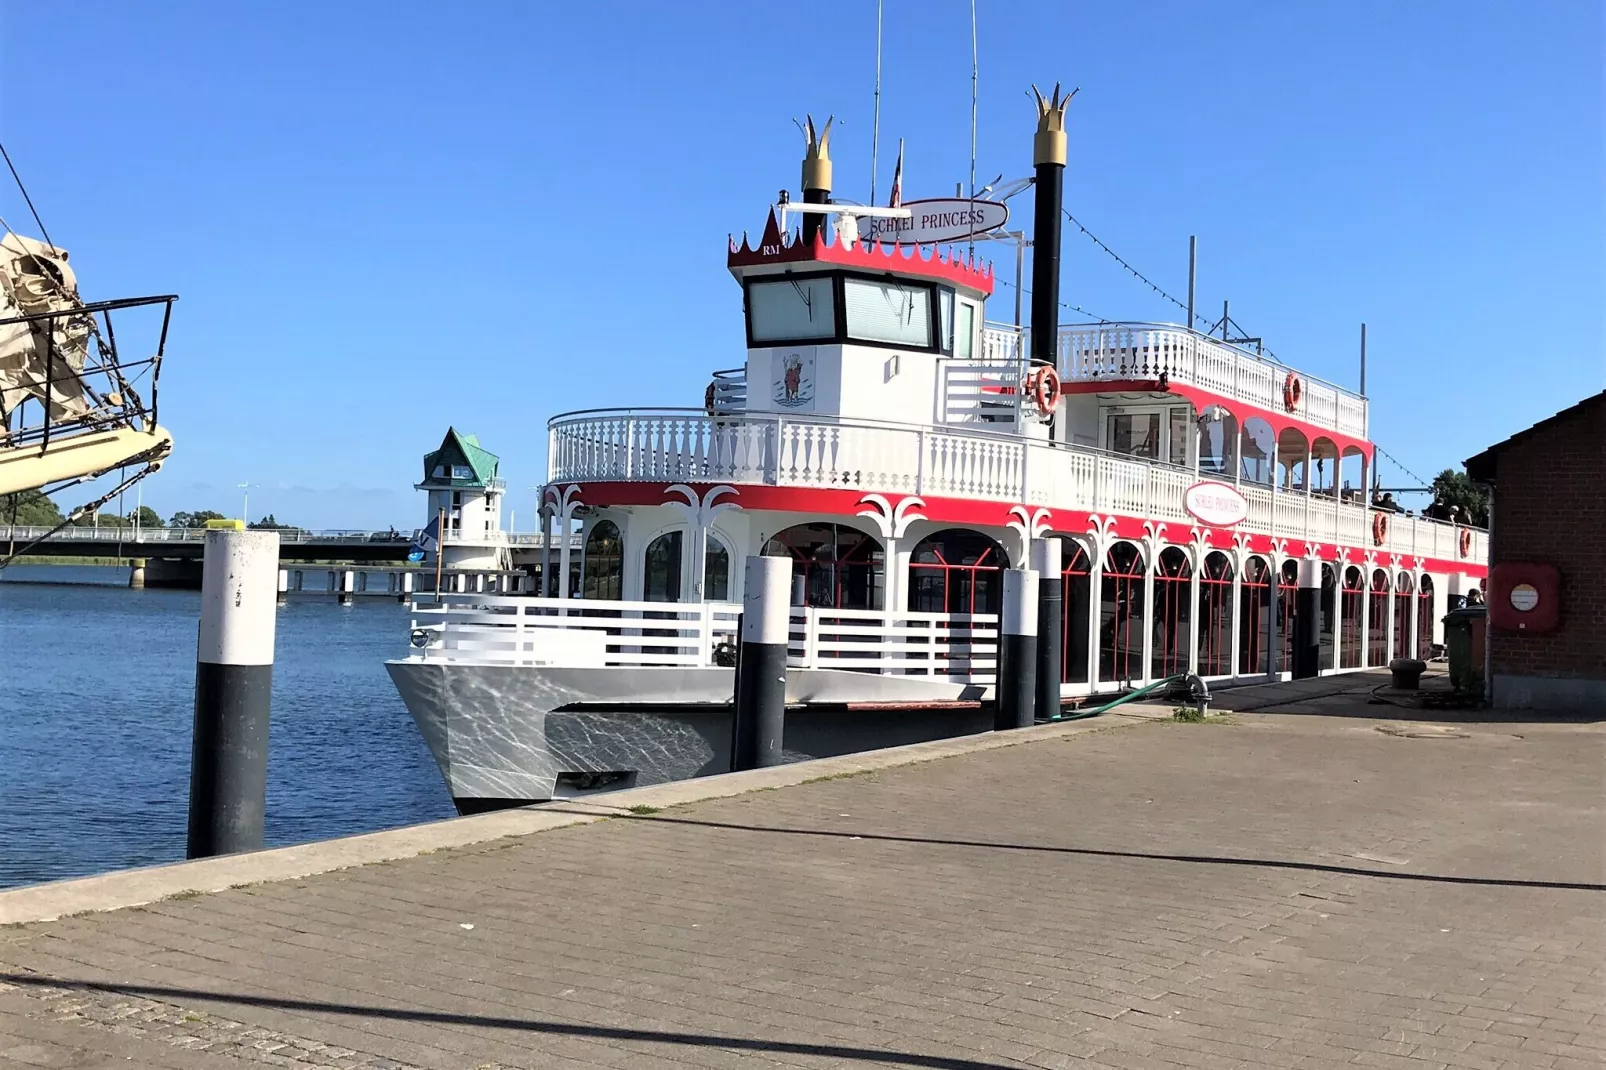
column 387, row 218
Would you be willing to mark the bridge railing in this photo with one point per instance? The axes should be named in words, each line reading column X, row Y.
column 27, row 533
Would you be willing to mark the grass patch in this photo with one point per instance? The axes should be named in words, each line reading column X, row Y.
column 1187, row 715
column 839, row 776
column 188, row 893
column 191, row 1016
column 642, row 809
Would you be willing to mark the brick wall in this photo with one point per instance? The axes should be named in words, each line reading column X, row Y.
column 1550, row 507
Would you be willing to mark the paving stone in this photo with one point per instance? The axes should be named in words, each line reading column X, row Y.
column 1196, row 896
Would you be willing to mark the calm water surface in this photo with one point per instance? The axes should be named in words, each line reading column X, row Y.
column 96, row 702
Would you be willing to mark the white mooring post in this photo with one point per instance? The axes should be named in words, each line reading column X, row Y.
column 1015, row 694
column 233, row 690
column 760, row 715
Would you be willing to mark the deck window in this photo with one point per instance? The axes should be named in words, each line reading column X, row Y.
column 1136, row 434
column 791, row 310
column 888, row 311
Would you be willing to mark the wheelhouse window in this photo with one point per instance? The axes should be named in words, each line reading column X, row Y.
column 791, row 309
column 1136, row 434
column 889, row 311
column 965, row 335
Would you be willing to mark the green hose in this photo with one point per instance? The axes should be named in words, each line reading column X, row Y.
column 1128, row 697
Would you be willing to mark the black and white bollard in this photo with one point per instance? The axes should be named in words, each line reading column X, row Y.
column 1047, row 563
column 233, row 687
column 1015, row 701
column 1307, row 637
column 761, row 676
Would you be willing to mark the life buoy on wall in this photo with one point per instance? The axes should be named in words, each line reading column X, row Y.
column 1293, row 390
column 1045, row 387
column 1380, row 528
column 708, row 399
column 1466, row 541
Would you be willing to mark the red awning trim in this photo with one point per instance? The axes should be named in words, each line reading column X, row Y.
column 1241, row 410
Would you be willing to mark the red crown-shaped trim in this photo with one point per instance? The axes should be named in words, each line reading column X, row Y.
column 777, row 248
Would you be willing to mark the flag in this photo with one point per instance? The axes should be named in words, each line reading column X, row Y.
column 429, row 539
column 897, row 180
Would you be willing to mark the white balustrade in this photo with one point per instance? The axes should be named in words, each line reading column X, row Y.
column 806, row 451
column 1116, row 351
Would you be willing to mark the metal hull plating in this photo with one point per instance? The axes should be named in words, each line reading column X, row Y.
column 500, row 739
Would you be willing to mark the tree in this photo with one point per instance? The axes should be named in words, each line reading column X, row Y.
column 268, row 523
column 194, row 520
column 1452, row 488
column 145, row 517
column 29, row 508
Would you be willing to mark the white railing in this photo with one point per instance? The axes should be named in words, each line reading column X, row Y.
column 953, row 646
column 973, row 393
column 1001, row 344
column 584, row 633
column 1146, row 351
column 685, row 446
column 595, row 633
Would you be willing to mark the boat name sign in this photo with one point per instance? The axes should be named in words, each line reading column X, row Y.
column 941, row 219
column 1215, row 504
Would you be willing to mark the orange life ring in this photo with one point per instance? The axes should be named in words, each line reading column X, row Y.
column 708, row 399
column 1466, row 541
column 1293, row 390
column 1380, row 528
column 1046, row 390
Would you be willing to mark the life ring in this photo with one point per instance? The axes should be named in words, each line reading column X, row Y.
column 1466, row 541
column 1045, row 386
column 1293, row 390
column 1380, row 528
column 708, row 399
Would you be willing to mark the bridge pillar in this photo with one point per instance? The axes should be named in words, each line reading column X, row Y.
column 407, row 581
column 136, row 573
column 348, row 585
column 284, row 583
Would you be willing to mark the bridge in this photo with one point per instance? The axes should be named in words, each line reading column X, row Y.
column 171, row 557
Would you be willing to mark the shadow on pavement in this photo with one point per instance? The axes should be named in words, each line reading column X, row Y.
column 566, row 1029
column 1093, row 852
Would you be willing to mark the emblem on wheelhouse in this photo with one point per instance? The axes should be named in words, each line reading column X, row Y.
column 902, row 449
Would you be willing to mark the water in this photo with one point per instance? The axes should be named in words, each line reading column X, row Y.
column 96, row 702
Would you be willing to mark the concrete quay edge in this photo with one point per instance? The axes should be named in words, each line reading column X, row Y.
column 148, row 884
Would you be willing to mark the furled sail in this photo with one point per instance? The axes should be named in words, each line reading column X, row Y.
column 42, row 360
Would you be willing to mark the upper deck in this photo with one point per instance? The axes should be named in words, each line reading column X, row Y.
column 1125, row 356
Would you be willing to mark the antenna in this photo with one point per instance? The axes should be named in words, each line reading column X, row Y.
column 1193, row 273
column 875, row 123
column 973, row 72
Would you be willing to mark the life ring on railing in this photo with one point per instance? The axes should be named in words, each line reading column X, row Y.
column 708, row 399
column 1380, row 528
column 1466, row 541
column 1046, row 390
column 1293, row 390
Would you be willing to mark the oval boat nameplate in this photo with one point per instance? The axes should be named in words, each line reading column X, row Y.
column 1218, row 505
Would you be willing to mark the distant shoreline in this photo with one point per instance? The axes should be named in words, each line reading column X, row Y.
column 104, row 562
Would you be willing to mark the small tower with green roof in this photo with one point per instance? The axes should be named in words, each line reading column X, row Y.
column 466, row 493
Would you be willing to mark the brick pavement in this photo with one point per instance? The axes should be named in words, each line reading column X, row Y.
column 1279, row 891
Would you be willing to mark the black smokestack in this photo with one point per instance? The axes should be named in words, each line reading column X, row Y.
column 816, row 176
column 1048, row 160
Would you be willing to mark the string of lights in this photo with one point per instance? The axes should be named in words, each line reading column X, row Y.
column 1026, row 292
column 1208, row 325
column 1401, row 467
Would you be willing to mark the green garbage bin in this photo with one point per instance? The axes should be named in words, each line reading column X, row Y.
column 1461, row 628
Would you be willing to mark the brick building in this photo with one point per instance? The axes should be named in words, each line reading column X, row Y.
column 1548, row 513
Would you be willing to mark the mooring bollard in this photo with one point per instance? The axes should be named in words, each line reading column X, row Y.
column 760, row 715
column 1047, row 563
column 233, row 689
column 1015, row 695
